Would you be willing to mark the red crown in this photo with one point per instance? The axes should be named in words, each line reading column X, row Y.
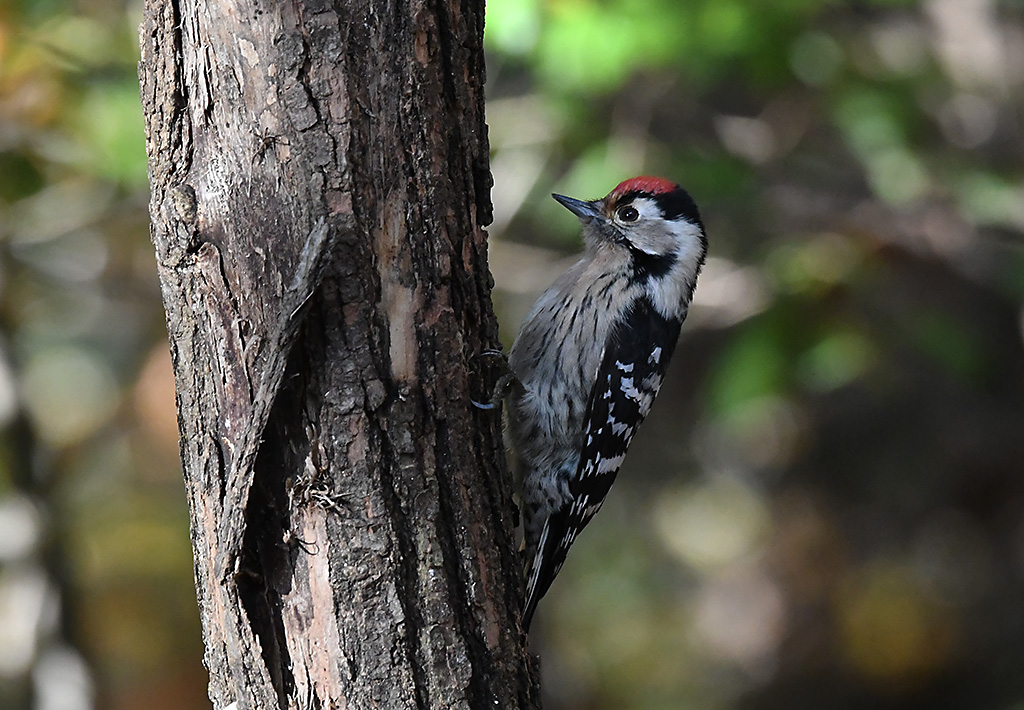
column 645, row 183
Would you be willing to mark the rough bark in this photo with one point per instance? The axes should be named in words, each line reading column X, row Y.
column 319, row 184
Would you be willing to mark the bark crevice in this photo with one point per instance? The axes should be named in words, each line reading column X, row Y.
column 407, row 578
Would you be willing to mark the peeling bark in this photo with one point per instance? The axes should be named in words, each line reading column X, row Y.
column 319, row 183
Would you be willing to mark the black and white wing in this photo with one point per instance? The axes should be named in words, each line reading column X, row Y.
column 628, row 379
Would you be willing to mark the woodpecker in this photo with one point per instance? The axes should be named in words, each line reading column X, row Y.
column 590, row 359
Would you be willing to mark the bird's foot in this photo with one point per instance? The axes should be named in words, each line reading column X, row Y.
column 505, row 382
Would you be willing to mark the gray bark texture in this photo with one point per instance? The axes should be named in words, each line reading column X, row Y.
column 319, row 175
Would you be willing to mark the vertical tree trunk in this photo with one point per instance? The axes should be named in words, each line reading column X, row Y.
column 319, row 181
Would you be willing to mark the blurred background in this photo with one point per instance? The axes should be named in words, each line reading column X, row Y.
column 826, row 505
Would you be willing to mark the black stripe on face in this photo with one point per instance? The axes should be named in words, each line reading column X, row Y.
column 647, row 266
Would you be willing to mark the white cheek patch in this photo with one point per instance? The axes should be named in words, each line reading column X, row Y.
column 642, row 232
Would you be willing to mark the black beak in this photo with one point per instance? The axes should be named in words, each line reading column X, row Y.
column 583, row 210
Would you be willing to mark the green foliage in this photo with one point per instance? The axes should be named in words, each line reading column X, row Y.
column 593, row 46
column 108, row 122
column 753, row 366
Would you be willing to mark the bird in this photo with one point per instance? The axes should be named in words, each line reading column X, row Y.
column 590, row 358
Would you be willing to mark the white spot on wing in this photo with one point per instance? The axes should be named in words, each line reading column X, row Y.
column 629, row 389
column 610, row 465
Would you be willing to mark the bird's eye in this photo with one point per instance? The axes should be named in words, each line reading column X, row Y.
column 628, row 213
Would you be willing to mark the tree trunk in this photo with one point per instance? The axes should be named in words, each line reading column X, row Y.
column 319, row 182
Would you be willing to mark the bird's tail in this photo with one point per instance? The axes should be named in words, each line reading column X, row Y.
column 544, row 559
